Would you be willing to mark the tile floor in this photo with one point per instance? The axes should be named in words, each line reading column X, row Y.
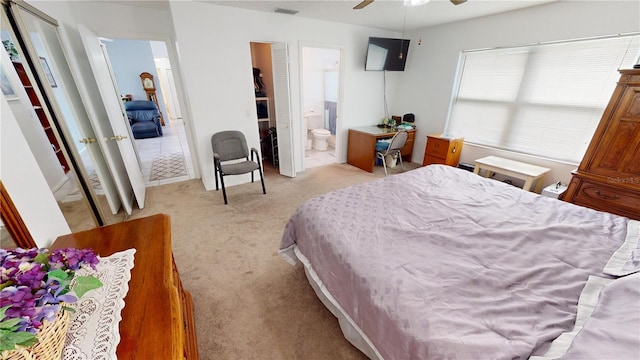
column 313, row 157
column 173, row 140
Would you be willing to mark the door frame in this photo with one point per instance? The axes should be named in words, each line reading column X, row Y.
column 303, row 136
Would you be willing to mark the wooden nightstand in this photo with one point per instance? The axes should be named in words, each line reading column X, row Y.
column 442, row 150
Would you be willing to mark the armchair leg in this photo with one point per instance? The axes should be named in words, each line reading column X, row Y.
column 224, row 191
column 261, row 178
column 215, row 171
column 384, row 164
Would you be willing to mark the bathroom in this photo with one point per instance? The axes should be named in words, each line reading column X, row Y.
column 321, row 79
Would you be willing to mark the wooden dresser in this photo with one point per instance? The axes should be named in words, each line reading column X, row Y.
column 442, row 150
column 157, row 320
column 608, row 178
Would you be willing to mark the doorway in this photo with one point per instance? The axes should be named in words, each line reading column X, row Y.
column 320, row 104
column 163, row 159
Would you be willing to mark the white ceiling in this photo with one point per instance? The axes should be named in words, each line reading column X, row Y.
column 385, row 14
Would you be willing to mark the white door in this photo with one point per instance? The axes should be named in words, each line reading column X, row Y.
column 117, row 118
column 280, row 68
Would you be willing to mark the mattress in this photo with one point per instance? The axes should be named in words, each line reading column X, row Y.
column 440, row 263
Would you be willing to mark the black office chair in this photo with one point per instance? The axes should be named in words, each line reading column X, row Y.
column 229, row 147
column 395, row 148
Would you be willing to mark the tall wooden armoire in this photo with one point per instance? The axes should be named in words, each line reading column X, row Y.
column 608, row 178
column 149, row 87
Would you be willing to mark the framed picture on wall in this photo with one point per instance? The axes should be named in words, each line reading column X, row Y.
column 47, row 71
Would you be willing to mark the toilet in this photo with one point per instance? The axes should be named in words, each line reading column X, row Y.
column 316, row 131
column 320, row 137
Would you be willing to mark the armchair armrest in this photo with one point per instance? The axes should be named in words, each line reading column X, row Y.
column 216, row 160
column 255, row 151
column 156, row 120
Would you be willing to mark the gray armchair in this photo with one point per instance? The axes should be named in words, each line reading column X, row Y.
column 144, row 118
column 229, row 147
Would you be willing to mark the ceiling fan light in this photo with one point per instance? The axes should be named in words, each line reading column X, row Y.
column 415, row 2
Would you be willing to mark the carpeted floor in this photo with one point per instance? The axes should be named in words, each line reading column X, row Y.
column 249, row 302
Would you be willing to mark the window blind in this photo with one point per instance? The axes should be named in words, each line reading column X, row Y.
column 543, row 100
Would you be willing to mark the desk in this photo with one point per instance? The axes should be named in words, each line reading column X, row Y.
column 157, row 319
column 361, row 148
column 519, row 170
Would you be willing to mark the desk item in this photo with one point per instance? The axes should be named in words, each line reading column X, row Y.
column 361, row 148
column 608, row 177
column 441, row 149
column 519, row 170
column 157, row 318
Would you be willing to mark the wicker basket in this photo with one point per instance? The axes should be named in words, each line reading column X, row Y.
column 51, row 337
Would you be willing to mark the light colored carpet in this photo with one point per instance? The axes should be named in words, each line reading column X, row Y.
column 168, row 166
column 249, row 302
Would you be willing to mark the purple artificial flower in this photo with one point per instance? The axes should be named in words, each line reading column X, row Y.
column 23, row 305
column 72, row 259
column 29, row 290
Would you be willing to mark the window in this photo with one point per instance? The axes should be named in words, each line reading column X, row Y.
column 543, row 100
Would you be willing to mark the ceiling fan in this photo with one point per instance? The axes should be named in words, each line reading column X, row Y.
column 364, row 3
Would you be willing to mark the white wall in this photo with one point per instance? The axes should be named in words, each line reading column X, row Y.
column 425, row 88
column 25, row 183
column 217, row 71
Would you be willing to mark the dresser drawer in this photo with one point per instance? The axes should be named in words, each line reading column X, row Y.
column 608, row 198
column 437, row 147
column 428, row 160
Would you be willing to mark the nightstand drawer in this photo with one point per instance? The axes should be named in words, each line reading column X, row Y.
column 437, row 147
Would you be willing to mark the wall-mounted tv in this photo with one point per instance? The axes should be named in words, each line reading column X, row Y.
column 384, row 54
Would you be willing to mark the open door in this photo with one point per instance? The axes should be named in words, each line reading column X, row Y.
column 117, row 118
column 280, row 68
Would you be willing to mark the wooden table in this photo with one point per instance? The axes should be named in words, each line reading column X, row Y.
column 157, row 319
column 519, row 170
column 361, row 147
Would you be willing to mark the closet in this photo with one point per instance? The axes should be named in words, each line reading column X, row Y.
column 608, row 178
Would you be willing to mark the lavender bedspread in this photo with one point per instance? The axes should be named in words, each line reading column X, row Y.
column 440, row 263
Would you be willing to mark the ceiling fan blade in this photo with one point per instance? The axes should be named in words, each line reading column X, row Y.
column 362, row 4
column 458, row 2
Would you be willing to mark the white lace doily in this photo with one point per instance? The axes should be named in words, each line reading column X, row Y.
column 93, row 329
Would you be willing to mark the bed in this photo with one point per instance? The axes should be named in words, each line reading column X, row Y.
column 440, row 263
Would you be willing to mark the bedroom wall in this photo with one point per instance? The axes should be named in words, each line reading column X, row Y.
column 218, row 71
column 426, row 89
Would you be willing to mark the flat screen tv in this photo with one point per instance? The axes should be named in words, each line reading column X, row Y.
column 384, row 54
